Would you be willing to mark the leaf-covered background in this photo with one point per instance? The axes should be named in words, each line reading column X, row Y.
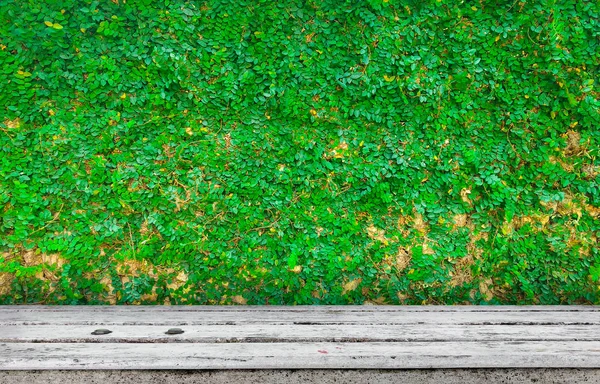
column 299, row 152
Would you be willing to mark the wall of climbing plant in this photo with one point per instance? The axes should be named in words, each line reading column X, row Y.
column 299, row 152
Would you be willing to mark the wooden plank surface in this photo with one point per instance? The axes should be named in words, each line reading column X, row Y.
column 265, row 337
column 188, row 315
column 255, row 333
column 578, row 354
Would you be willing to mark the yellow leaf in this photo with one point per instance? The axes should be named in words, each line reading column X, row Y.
column 351, row 285
column 497, row 38
column 57, row 26
column 239, row 300
column 48, row 23
column 16, row 123
column 82, row 30
column 389, row 78
column 124, row 95
column 474, row 8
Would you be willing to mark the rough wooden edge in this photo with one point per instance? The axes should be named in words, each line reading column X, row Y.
column 305, row 376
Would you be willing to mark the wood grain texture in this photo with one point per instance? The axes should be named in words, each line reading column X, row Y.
column 300, row 355
column 188, row 315
column 342, row 337
column 254, row 333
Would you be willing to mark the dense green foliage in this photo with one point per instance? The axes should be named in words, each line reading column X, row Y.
column 291, row 152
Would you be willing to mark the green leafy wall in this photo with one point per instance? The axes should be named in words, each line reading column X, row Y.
column 299, row 152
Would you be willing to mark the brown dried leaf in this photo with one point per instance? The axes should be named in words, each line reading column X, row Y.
column 31, row 258
column 427, row 250
column 573, row 146
column 6, row 280
column 402, row 259
column 351, row 285
column 462, row 271
column 15, row 123
column 460, row 220
column 178, row 281
column 420, row 224
column 401, row 296
column 464, row 195
column 484, row 288
column 377, row 234
column 239, row 300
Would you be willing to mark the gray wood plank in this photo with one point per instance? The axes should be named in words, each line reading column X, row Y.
column 246, row 337
column 554, row 354
column 264, row 315
column 252, row 333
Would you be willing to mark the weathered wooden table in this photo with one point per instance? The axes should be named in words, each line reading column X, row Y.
column 300, row 337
